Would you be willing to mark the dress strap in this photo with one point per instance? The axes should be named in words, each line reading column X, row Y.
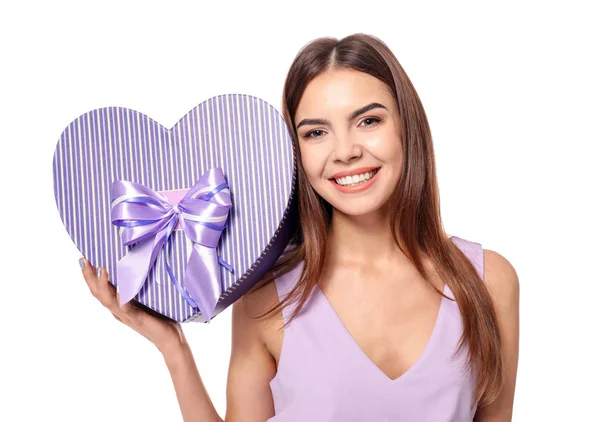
column 284, row 284
column 473, row 251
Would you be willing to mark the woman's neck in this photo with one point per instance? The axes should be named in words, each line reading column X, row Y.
column 366, row 240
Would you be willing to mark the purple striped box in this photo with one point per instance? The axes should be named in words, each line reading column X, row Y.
column 241, row 134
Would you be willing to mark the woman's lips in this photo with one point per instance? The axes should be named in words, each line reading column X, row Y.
column 360, row 170
column 356, row 188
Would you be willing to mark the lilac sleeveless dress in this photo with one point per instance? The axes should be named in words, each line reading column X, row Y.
column 324, row 376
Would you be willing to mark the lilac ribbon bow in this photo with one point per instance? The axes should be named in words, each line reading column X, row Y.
column 147, row 219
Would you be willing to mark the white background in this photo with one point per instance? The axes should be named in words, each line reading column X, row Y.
column 512, row 96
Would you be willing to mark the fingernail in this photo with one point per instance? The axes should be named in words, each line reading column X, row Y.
column 81, row 264
column 98, row 272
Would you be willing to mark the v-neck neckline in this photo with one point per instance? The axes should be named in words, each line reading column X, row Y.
column 422, row 357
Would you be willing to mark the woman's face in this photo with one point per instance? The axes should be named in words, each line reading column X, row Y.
column 349, row 134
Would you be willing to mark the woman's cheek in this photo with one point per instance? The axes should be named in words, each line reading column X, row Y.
column 313, row 161
column 375, row 141
column 384, row 146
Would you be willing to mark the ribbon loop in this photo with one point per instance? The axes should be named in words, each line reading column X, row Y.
column 147, row 220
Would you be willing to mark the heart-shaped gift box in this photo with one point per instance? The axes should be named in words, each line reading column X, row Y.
column 214, row 195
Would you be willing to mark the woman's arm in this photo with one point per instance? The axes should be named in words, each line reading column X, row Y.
column 251, row 368
column 251, row 365
column 194, row 401
column 503, row 284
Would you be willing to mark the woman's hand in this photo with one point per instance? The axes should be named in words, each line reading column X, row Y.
column 163, row 332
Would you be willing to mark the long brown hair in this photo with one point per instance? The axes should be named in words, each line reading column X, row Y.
column 416, row 221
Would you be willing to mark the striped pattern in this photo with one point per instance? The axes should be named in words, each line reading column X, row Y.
column 243, row 135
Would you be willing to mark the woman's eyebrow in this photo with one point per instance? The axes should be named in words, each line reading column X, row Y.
column 351, row 116
column 364, row 109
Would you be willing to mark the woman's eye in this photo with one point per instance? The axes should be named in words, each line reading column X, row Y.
column 314, row 133
column 371, row 121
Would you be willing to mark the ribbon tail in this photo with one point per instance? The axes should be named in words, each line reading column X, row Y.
column 202, row 279
column 132, row 270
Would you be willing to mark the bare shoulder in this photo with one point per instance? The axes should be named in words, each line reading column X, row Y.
column 262, row 297
column 502, row 283
column 500, row 278
column 252, row 365
column 252, row 312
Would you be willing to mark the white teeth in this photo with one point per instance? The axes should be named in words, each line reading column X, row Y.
column 355, row 179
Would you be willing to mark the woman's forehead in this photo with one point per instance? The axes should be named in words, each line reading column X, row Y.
column 341, row 91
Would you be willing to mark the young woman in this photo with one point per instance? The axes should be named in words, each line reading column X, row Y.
column 373, row 313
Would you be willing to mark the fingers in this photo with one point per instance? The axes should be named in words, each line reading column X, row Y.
column 126, row 313
column 100, row 287
column 106, row 293
column 88, row 275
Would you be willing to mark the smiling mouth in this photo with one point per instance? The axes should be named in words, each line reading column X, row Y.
column 356, row 179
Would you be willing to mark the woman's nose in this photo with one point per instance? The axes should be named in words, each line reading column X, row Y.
column 346, row 149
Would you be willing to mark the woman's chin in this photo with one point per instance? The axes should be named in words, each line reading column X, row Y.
column 368, row 207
